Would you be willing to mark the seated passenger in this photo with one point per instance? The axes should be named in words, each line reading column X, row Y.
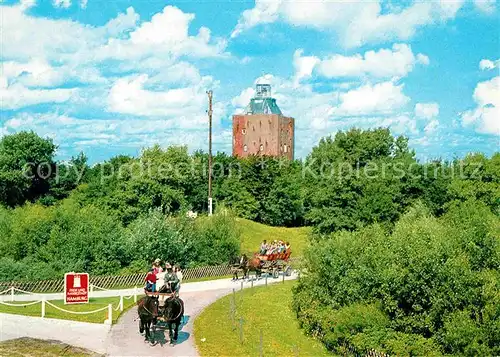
column 150, row 281
column 263, row 247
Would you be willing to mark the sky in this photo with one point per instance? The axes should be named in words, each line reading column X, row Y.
column 111, row 77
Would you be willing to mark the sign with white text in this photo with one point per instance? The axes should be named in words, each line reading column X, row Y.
column 76, row 288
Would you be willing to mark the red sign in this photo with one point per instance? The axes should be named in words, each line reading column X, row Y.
column 76, row 288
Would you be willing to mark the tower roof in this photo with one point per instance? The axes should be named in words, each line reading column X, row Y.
column 262, row 102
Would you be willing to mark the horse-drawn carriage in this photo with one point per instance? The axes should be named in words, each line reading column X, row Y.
column 271, row 264
column 162, row 310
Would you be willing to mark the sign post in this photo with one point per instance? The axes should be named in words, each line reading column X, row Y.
column 76, row 288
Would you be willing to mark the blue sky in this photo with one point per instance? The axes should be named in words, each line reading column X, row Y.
column 113, row 77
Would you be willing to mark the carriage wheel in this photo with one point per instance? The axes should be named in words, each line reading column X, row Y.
column 288, row 270
column 276, row 273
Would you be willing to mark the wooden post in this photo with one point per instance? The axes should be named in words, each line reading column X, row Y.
column 242, row 285
column 43, row 307
column 266, row 279
column 135, row 293
column 252, row 281
column 261, row 349
column 11, row 293
column 109, row 321
column 241, row 330
column 91, row 293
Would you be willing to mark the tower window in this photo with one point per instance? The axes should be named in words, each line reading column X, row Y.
column 261, row 147
column 285, row 148
column 244, row 131
column 245, row 148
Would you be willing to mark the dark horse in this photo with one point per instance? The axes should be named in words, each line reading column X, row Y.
column 173, row 313
column 147, row 308
column 246, row 265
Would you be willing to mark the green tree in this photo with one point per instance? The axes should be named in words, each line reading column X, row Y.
column 26, row 165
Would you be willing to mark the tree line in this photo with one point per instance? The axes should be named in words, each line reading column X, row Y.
column 348, row 181
column 352, row 180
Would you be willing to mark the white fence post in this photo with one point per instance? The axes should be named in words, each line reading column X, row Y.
column 11, row 293
column 109, row 320
column 135, row 293
column 43, row 307
column 121, row 302
column 91, row 290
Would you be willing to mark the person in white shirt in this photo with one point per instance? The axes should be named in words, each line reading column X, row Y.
column 178, row 272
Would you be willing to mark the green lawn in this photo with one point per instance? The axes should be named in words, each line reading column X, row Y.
column 266, row 309
column 32, row 347
column 51, row 312
column 253, row 233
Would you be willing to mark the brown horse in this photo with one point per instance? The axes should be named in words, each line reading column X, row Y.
column 247, row 265
column 147, row 308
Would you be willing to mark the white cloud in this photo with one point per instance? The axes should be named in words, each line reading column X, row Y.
column 384, row 63
column 186, row 105
column 431, row 127
column 426, row 111
column 263, row 12
column 487, row 64
column 38, row 73
column 385, row 97
column 83, row 4
column 123, row 23
column 16, row 95
column 303, row 65
column 486, row 6
column 165, row 35
column 64, row 40
column 486, row 117
column 356, row 23
column 61, row 3
column 242, row 100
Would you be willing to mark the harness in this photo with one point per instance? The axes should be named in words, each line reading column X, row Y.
column 179, row 301
column 143, row 305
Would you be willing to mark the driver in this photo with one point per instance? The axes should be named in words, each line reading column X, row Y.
column 171, row 279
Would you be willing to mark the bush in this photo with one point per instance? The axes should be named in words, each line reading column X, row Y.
column 184, row 241
column 430, row 285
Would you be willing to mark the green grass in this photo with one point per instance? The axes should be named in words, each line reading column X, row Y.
column 252, row 234
column 267, row 309
column 51, row 312
column 21, row 347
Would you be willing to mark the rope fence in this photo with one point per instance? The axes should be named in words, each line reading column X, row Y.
column 116, row 281
column 109, row 308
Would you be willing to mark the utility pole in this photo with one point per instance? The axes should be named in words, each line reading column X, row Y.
column 209, row 152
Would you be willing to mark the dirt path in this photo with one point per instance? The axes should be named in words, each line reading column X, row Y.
column 124, row 338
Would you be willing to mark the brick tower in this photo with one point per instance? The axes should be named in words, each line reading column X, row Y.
column 262, row 129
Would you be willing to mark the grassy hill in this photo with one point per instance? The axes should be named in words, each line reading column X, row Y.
column 253, row 233
column 263, row 309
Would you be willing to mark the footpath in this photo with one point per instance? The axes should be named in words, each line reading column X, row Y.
column 123, row 338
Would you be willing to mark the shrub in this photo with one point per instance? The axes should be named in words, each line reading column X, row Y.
column 434, row 282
